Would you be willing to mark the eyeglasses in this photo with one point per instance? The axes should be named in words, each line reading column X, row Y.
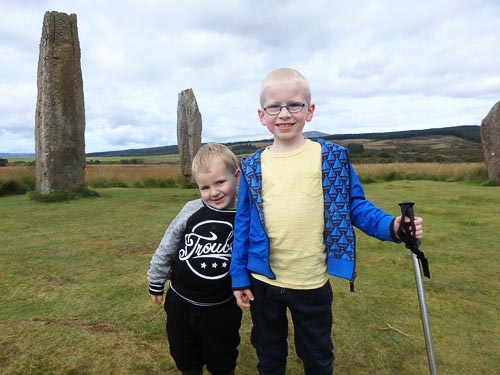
column 275, row 109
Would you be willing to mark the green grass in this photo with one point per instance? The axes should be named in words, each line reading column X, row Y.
column 74, row 295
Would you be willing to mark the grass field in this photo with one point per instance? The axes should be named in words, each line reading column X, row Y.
column 74, row 298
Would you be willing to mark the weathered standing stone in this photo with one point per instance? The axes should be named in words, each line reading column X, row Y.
column 188, row 129
column 490, row 138
column 60, row 110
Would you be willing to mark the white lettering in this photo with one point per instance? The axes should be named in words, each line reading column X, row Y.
column 199, row 246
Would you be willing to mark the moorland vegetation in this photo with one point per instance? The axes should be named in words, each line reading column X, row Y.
column 447, row 154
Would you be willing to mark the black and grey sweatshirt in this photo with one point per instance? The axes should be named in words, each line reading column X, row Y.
column 194, row 254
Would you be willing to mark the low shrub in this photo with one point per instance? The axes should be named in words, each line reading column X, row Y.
column 157, row 183
column 61, row 196
column 17, row 186
column 101, row 183
column 11, row 187
column 450, row 172
column 186, row 183
column 491, row 183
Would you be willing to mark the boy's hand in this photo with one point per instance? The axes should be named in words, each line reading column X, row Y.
column 243, row 297
column 157, row 300
column 418, row 226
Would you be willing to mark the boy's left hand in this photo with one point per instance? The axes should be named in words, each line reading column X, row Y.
column 157, row 300
column 243, row 297
column 419, row 231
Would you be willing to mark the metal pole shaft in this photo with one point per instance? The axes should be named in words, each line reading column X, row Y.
column 423, row 312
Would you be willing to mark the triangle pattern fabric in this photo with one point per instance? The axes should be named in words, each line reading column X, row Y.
column 339, row 236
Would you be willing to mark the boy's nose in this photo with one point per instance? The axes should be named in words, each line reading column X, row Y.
column 284, row 113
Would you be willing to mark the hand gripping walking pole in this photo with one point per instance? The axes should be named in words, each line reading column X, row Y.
column 405, row 231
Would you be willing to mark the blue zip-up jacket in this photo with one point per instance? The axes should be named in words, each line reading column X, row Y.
column 345, row 206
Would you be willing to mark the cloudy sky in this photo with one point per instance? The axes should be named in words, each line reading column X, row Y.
column 373, row 66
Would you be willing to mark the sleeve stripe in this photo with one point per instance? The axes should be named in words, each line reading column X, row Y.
column 156, row 289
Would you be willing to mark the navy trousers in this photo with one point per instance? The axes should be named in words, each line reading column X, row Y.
column 311, row 312
column 199, row 336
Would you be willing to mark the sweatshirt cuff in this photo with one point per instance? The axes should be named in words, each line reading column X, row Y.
column 156, row 289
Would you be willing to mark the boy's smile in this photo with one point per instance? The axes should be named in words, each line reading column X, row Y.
column 284, row 126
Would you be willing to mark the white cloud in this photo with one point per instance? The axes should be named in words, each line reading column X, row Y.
column 373, row 65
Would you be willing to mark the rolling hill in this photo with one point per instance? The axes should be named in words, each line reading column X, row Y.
column 452, row 144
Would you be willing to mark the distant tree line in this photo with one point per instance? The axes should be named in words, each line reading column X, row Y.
column 470, row 133
column 122, row 161
column 242, row 149
column 163, row 150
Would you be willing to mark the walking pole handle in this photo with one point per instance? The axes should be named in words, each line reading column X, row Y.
column 406, row 233
column 407, row 211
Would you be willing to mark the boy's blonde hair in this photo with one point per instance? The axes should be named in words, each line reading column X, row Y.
column 285, row 75
column 211, row 153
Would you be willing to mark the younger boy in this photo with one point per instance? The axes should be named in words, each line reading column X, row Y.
column 298, row 202
column 203, row 320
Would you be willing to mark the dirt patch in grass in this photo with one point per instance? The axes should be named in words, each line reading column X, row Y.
column 92, row 327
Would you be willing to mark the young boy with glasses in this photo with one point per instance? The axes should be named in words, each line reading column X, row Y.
column 203, row 320
column 297, row 204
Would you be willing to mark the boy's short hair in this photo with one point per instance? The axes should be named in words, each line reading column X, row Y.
column 285, row 75
column 211, row 153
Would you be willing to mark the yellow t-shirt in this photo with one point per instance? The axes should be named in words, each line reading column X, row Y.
column 292, row 198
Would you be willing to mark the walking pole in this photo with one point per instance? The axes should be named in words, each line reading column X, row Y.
column 405, row 234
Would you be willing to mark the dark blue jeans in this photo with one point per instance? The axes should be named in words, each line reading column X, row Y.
column 311, row 312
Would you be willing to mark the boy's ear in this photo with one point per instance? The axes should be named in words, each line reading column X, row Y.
column 237, row 175
column 261, row 114
column 310, row 112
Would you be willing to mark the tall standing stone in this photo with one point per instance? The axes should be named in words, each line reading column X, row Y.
column 60, row 109
column 188, row 129
column 490, row 138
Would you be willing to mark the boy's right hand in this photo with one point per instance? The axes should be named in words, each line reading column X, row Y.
column 243, row 297
column 157, row 300
column 419, row 231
